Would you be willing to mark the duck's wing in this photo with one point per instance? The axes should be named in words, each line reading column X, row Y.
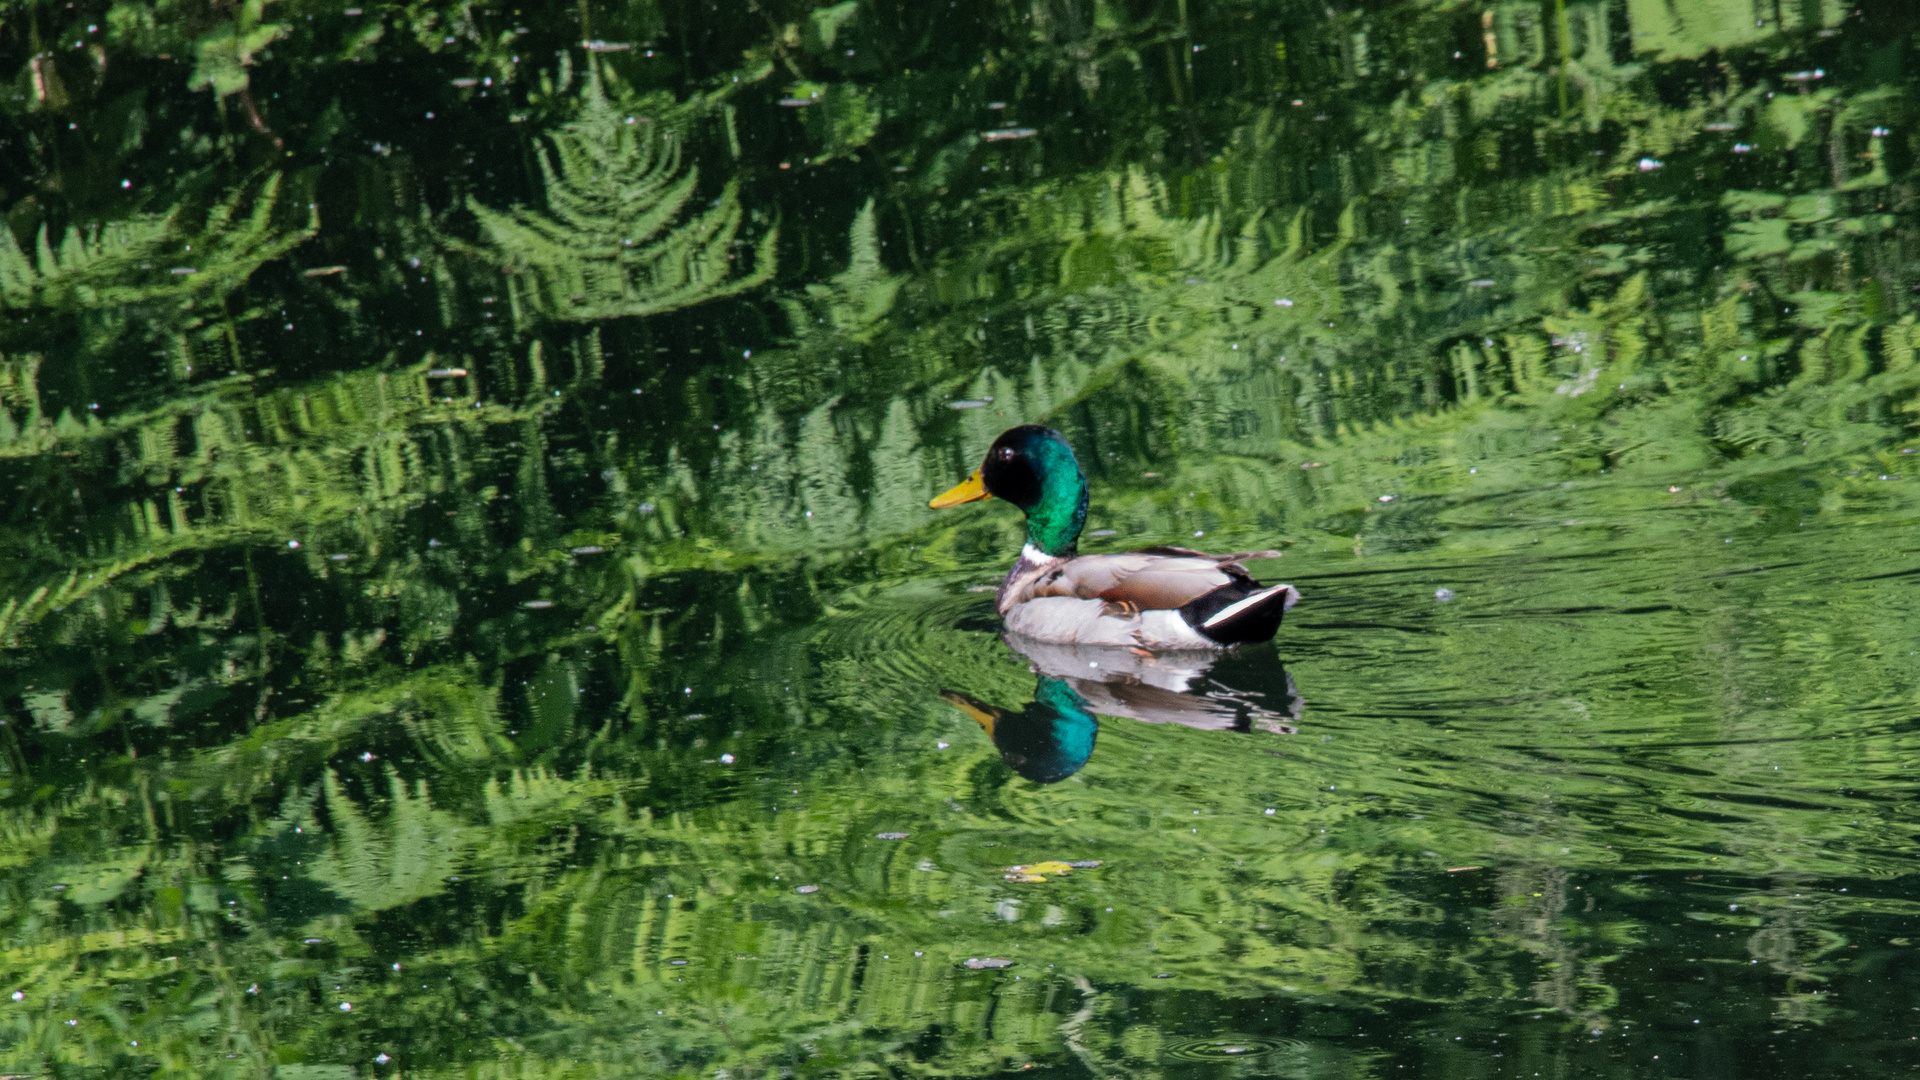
column 1229, row 563
column 1145, row 580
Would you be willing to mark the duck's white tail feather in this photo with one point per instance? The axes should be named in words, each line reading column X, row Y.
column 1227, row 614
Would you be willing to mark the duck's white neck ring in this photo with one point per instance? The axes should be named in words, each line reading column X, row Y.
column 1031, row 555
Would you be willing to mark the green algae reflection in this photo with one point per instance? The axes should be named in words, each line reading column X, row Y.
column 469, row 607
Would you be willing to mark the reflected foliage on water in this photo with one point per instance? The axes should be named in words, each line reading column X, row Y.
column 469, row 604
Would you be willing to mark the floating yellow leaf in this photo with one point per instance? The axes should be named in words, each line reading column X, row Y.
column 1038, row 871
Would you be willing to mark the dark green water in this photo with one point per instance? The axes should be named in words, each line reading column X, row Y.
column 468, row 605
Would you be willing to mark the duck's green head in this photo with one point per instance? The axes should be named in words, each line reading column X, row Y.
column 1033, row 468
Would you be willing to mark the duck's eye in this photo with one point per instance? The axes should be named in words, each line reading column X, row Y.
column 1006, row 453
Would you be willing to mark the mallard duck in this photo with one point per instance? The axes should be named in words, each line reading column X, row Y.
column 1160, row 599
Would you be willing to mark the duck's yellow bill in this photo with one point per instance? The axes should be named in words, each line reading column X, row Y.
column 969, row 490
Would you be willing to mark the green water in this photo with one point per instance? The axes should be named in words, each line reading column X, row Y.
column 468, row 604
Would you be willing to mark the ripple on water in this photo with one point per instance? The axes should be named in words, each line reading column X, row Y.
column 1230, row 1048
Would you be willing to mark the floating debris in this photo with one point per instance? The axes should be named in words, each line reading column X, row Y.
column 1443, row 595
column 996, row 104
column 588, row 549
column 726, row 759
column 1084, row 864
column 805, row 890
column 1005, row 134
column 798, row 103
column 1880, row 132
column 323, row 271
column 1648, row 164
column 1164, row 975
column 677, row 963
column 446, row 373
column 608, row 46
column 1314, row 465
column 184, row 270
column 1040, row 871
column 1283, row 302
column 979, row 963
column 1742, row 148
column 1720, row 126
column 466, row 82
column 538, row 604
column 1461, row 869
column 970, row 403
column 983, row 588
column 892, row 835
column 1103, row 532
column 1806, row 76
column 1480, row 283
column 1388, row 498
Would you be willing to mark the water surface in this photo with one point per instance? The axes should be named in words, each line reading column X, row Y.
column 469, row 605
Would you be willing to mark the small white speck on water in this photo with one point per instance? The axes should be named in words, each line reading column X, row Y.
column 1443, row 595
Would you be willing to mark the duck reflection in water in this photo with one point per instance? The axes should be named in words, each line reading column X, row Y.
column 1052, row 736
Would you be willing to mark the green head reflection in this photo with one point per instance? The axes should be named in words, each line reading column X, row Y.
column 1048, row 740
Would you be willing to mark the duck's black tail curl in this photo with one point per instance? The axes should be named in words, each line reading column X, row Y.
column 1238, row 612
